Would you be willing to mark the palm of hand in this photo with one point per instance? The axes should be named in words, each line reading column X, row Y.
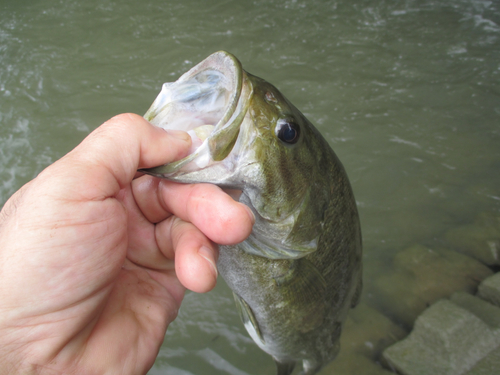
column 92, row 284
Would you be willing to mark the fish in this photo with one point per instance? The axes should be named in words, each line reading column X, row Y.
column 299, row 272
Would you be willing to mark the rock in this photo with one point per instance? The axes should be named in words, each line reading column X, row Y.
column 488, row 313
column 490, row 289
column 489, row 365
column 368, row 332
column 446, row 340
column 353, row 363
column 480, row 240
column 419, row 276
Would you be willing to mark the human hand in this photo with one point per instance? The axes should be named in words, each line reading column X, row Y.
column 93, row 264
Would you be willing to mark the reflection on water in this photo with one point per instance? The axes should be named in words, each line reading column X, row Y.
column 406, row 92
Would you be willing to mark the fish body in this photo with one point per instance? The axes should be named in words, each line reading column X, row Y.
column 299, row 272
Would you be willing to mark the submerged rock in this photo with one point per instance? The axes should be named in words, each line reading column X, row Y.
column 455, row 336
column 447, row 340
column 419, row 276
column 489, row 365
column 490, row 289
column 365, row 335
column 480, row 239
column 353, row 363
column 459, row 336
column 488, row 313
column 368, row 332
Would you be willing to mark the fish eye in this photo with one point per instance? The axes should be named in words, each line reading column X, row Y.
column 287, row 131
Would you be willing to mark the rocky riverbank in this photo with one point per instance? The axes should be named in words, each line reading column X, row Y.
column 437, row 310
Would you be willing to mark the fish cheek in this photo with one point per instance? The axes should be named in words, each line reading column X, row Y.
column 304, row 290
column 285, row 181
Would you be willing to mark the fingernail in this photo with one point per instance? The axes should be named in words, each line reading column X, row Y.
column 208, row 254
column 179, row 134
column 251, row 214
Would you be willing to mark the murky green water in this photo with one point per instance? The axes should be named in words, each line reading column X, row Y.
column 407, row 92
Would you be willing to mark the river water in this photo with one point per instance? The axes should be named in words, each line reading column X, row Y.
column 406, row 92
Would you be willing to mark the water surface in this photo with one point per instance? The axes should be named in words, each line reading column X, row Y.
column 406, row 92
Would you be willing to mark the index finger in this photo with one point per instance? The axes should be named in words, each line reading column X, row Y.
column 107, row 160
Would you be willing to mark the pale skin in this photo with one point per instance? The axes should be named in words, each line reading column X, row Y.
column 94, row 260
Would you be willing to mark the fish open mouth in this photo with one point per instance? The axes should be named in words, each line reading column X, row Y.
column 209, row 102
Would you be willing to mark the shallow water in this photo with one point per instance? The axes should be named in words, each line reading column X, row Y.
column 407, row 93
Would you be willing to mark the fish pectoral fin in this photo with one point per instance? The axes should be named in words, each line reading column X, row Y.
column 248, row 319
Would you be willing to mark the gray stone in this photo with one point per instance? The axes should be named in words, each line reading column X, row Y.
column 446, row 340
column 489, row 365
column 489, row 289
column 488, row 313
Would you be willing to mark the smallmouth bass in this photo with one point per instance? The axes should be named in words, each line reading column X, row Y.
column 299, row 272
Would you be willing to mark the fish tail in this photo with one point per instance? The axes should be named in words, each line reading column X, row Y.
column 284, row 368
